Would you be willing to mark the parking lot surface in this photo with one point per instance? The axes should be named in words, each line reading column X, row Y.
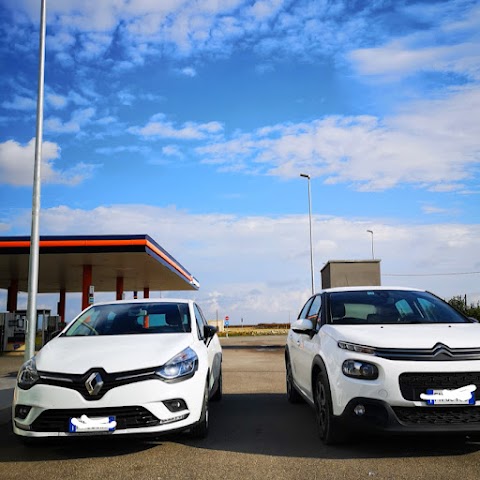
column 255, row 434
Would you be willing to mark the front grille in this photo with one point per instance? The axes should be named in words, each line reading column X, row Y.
column 438, row 415
column 413, row 384
column 110, row 380
column 439, row 352
column 126, row 417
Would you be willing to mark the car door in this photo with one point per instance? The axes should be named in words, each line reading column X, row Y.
column 295, row 342
column 212, row 345
column 307, row 347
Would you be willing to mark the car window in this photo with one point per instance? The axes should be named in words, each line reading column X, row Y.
column 390, row 306
column 304, row 311
column 132, row 318
column 200, row 320
column 314, row 310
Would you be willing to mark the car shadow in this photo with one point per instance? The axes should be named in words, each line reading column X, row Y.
column 12, row 449
column 264, row 424
column 267, row 424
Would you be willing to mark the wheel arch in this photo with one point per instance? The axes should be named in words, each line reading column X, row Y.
column 287, row 354
column 318, row 365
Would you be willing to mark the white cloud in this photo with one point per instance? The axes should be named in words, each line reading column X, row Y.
column 16, row 162
column 185, row 28
column 433, row 144
column 123, row 149
column 188, row 71
column 451, row 45
column 430, row 209
column 258, row 267
column 79, row 119
column 306, row 30
column 94, row 45
column 16, row 165
column 172, row 151
column 56, row 101
column 125, row 97
column 20, row 103
column 397, row 59
column 58, row 41
column 159, row 128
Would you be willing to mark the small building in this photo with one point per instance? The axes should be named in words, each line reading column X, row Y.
column 351, row 273
column 219, row 324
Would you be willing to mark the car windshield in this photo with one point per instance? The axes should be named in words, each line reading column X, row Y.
column 131, row 319
column 390, row 307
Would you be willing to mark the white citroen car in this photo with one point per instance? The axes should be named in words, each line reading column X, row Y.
column 125, row 367
column 385, row 359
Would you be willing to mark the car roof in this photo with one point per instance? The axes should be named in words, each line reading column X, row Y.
column 370, row 288
column 146, row 300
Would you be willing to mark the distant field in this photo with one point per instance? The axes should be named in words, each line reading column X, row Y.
column 264, row 329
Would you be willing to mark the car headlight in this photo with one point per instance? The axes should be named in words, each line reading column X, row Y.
column 353, row 347
column 180, row 367
column 27, row 375
column 358, row 369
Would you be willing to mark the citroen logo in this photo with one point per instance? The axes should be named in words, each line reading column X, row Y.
column 94, row 384
column 440, row 348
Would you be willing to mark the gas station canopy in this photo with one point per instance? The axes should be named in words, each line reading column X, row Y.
column 136, row 261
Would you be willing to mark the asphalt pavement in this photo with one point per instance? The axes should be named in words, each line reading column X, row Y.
column 254, row 434
column 9, row 365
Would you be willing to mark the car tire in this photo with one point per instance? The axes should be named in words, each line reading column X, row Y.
column 217, row 396
column 327, row 430
column 292, row 393
column 200, row 429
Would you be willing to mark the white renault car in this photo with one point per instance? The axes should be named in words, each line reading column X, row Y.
column 385, row 359
column 124, row 367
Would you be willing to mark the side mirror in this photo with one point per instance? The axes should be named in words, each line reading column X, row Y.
column 209, row 331
column 302, row 326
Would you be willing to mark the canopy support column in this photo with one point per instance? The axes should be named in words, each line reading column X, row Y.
column 12, row 296
column 61, row 305
column 87, row 281
column 119, row 288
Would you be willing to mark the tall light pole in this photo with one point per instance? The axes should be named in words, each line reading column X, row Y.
column 34, row 237
column 373, row 254
column 305, row 175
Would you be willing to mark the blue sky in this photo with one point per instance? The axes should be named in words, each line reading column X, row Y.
column 191, row 121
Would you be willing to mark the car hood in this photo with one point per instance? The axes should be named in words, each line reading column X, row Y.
column 408, row 336
column 117, row 353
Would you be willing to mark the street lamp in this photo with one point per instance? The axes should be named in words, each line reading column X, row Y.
column 34, row 237
column 373, row 255
column 305, row 175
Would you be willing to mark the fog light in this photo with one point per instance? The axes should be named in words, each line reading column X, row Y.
column 21, row 411
column 174, row 419
column 359, row 410
column 175, row 405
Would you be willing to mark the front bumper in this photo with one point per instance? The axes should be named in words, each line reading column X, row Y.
column 138, row 408
column 379, row 416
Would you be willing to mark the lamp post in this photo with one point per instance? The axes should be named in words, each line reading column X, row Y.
column 34, row 237
column 373, row 255
column 305, row 175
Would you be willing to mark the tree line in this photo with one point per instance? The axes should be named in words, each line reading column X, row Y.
column 460, row 303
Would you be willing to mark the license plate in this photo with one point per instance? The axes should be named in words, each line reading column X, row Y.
column 449, row 397
column 86, row 424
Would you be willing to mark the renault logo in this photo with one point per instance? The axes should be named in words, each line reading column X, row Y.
column 94, row 383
